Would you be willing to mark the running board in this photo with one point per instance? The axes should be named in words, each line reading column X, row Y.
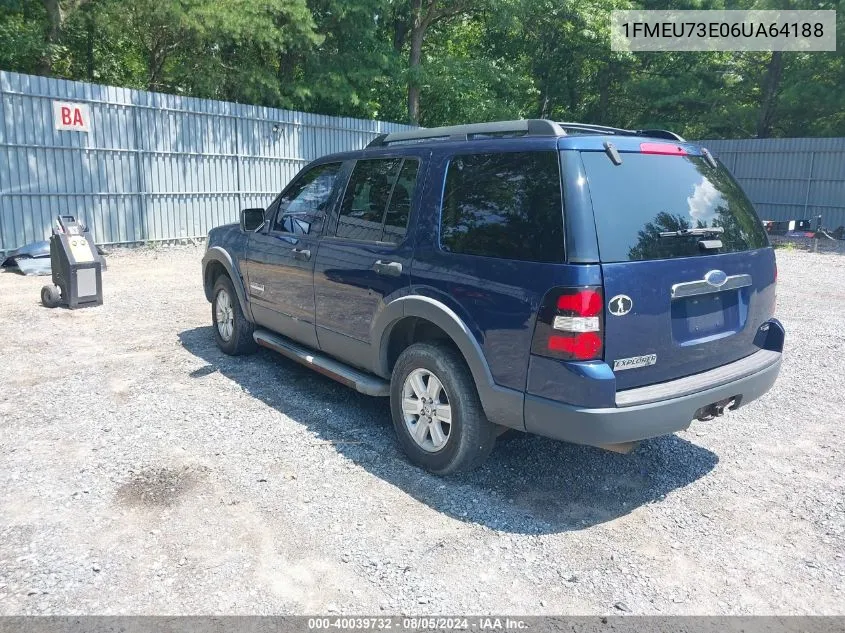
column 334, row 369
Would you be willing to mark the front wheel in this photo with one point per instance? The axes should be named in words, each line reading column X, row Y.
column 436, row 410
column 232, row 331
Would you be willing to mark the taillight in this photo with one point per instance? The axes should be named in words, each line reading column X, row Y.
column 570, row 324
column 662, row 148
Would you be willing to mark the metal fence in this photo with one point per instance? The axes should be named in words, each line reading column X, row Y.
column 152, row 166
column 162, row 167
column 789, row 178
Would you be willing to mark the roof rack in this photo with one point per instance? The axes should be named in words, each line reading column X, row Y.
column 522, row 127
column 604, row 129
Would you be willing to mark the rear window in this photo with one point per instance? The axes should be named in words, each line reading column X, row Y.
column 504, row 205
column 648, row 194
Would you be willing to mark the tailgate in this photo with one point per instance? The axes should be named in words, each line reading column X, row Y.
column 688, row 272
column 697, row 327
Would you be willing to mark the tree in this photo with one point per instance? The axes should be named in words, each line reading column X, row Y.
column 431, row 62
column 771, row 89
column 57, row 11
column 221, row 49
column 354, row 71
column 23, row 44
column 424, row 14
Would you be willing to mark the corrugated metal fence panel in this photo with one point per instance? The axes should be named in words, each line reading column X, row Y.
column 789, row 178
column 157, row 167
column 153, row 166
column 48, row 172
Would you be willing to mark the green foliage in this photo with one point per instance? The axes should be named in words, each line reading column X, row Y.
column 464, row 79
column 352, row 70
column 23, row 25
column 480, row 60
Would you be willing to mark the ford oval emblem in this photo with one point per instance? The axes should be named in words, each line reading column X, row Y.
column 716, row 278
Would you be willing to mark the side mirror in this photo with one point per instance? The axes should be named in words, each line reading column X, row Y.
column 251, row 219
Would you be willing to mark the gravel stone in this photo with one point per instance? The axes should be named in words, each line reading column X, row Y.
column 205, row 484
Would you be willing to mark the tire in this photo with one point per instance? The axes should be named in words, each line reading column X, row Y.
column 469, row 437
column 232, row 330
column 51, row 296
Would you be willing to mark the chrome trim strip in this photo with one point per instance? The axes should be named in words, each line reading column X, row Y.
column 703, row 287
column 758, row 361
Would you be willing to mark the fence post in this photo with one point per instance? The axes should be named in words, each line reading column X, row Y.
column 3, row 166
column 809, row 182
column 139, row 172
column 237, row 120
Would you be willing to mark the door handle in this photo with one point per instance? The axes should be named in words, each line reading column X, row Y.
column 391, row 269
column 302, row 253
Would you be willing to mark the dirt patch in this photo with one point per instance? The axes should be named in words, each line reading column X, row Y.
column 161, row 487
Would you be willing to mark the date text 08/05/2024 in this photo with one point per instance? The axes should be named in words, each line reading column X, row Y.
column 421, row 623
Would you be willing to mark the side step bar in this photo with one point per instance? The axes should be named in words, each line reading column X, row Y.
column 334, row 369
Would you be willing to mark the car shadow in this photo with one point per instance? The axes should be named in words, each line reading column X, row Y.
column 529, row 485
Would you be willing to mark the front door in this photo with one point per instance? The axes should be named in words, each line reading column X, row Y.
column 280, row 256
column 368, row 258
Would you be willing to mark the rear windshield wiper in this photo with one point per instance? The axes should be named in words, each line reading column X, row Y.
column 712, row 230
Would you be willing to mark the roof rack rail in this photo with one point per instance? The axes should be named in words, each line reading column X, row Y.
column 604, row 129
column 524, row 127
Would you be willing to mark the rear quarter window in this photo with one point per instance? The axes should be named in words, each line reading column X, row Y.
column 648, row 194
column 505, row 205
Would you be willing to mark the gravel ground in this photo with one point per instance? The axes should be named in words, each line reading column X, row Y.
column 144, row 472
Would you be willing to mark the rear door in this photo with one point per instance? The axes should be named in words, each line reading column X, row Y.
column 366, row 257
column 676, row 304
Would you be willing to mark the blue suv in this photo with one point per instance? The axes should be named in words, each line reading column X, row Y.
column 590, row 284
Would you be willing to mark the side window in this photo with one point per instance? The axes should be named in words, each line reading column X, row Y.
column 399, row 207
column 307, row 197
column 369, row 188
column 504, row 205
column 295, row 223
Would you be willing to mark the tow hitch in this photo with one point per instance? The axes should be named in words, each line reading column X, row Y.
column 717, row 408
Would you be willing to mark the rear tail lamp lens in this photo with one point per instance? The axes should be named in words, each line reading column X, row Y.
column 583, row 303
column 584, row 346
column 570, row 324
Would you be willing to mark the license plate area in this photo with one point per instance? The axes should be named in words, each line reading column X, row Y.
column 706, row 316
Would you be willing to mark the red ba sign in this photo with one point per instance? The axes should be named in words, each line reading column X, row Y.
column 71, row 116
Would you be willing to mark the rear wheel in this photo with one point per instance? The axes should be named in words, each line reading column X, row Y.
column 436, row 410
column 232, row 331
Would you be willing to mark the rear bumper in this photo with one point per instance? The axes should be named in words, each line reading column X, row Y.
column 748, row 379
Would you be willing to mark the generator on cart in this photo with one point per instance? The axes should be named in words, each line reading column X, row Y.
column 77, row 267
